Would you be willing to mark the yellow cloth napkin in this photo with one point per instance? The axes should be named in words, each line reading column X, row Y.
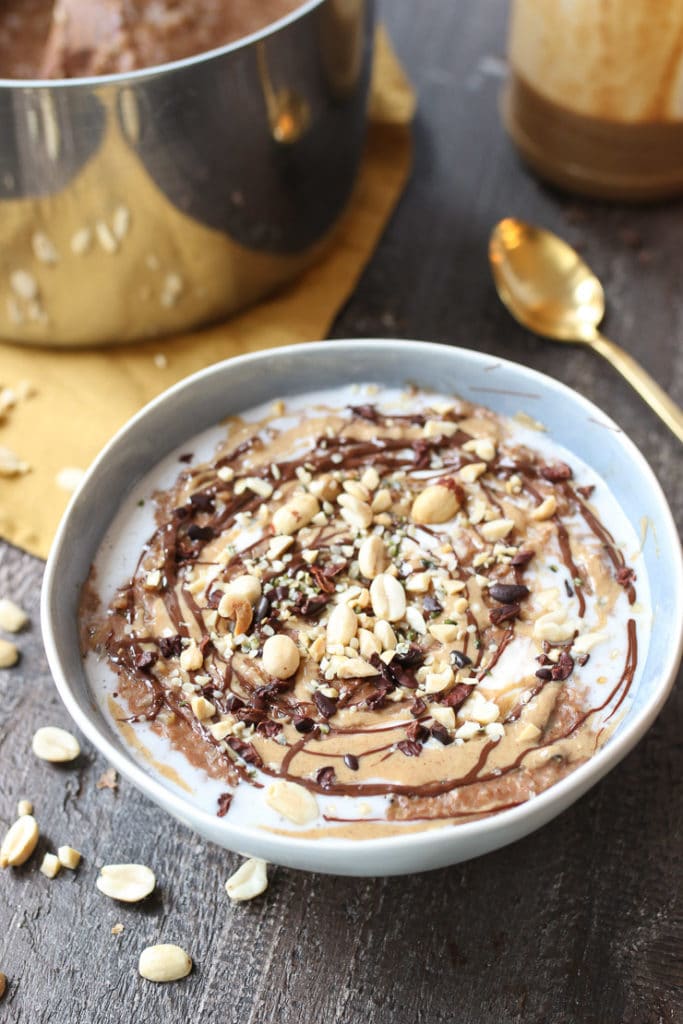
column 83, row 396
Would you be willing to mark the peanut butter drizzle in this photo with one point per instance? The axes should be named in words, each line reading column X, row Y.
column 200, row 514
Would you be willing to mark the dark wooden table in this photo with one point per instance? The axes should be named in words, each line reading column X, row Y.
column 581, row 922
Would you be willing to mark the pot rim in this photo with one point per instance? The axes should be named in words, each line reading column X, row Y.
column 123, row 78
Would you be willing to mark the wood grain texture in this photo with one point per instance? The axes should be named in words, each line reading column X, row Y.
column 581, row 922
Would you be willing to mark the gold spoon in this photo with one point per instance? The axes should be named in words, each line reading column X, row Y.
column 549, row 289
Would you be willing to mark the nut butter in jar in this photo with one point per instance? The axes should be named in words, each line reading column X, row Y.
column 594, row 100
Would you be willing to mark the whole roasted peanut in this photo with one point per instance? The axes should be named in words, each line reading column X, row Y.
column 292, row 801
column 372, row 557
column 436, row 504
column 237, row 607
column 280, row 656
column 19, row 842
column 295, row 513
column 245, row 586
column 54, row 744
column 249, row 881
column 388, row 597
column 128, row 883
column 12, row 617
column 9, row 654
column 342, row 625
column 164, row 962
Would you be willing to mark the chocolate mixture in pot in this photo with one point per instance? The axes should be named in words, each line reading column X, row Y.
column 391, row 603
column 76, row 38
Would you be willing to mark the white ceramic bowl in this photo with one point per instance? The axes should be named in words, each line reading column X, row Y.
column 238, row 384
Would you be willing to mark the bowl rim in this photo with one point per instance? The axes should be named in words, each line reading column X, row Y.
column 564, row 792
column 130, row 77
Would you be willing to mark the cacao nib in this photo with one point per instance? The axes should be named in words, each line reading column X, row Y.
column 508, row 593
column 334, row 569
column 625, row 576
column 544, row 673
column 568, row 588
column 458, row 695
column 460, row 659
column 556, row 472
column 325, row 777
column 263, row 695
column 312, row 606
column 303, row 724
column 522, row 558
column 144, row 660
column 325, row 705
column 586, row 492
column 383, row 670
column 268, row 728
column 262, row 609
column 376, row 699
column 245, row 750
column 366, row 412
column 252, row 716
column 233, row 702
column 422, row 451
column 202, row 502
column 582, row 659
column 432, row 606
column 441, row 733
column 396, row 673
column 186, row 457
column 418, row 707
column 224, row 801
column 410, row 748
column 322, row 580
column 504, row 613
column 564, row 667
column 195, row 532
column 417, row 732
column 412, row 658
column 351, row 762
column 405, row 677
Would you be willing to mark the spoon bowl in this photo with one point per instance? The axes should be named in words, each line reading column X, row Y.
column 549, row 289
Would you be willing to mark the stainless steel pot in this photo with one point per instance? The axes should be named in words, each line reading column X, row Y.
column 137, row 205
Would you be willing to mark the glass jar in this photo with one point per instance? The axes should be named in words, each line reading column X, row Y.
column 594, row 101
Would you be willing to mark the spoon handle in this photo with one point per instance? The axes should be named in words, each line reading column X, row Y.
column 648, row 389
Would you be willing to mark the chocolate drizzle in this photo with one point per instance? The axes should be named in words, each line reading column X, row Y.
column 207, row 503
